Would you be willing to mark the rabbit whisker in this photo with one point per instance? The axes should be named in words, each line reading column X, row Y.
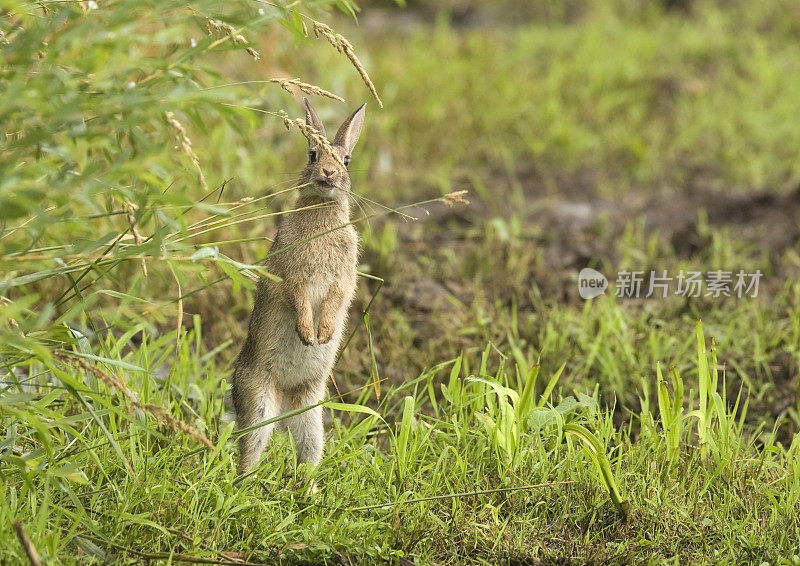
column 353, row 196
column 384, row 207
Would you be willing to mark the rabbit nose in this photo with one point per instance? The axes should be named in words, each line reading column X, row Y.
column 328, row 172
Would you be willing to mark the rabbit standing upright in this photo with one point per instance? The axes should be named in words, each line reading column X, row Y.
column 297, row 323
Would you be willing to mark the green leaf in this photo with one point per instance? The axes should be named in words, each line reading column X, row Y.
column 594, row 449
column 548, row 391
column 351, row 408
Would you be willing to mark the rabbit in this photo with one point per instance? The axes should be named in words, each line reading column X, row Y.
column 297, row 323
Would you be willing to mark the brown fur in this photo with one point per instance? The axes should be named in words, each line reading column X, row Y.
column 297, row 324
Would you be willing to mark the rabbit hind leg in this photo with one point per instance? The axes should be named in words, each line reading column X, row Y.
column 307, row 428
column 255, row 401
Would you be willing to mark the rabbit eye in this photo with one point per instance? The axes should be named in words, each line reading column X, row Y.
column 312, row 155
column 346, row 159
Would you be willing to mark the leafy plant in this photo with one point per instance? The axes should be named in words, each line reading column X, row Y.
column 104, row 200
column 102, row 188
column 513, row 420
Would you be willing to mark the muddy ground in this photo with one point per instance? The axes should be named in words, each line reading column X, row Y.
column 560, row 234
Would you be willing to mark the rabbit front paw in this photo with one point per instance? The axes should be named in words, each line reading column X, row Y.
column 324, row 332
column 305, row 331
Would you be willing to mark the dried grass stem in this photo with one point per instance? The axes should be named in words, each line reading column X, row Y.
column 160, row 413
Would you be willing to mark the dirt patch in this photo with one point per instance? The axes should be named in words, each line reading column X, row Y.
column 767, row 219
column 459, row 270
column 579, row 229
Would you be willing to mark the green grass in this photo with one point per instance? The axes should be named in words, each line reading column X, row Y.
column 515, row 423
column 466, row 471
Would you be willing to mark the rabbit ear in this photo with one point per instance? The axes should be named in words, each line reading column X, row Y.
column 313, row 120
column 348, row 133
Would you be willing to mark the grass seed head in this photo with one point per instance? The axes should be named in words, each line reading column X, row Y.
column 305, row 87
column 130, row 212
column 186, row 146
column 454, row 198
column 313, row 135
column 342, row 45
